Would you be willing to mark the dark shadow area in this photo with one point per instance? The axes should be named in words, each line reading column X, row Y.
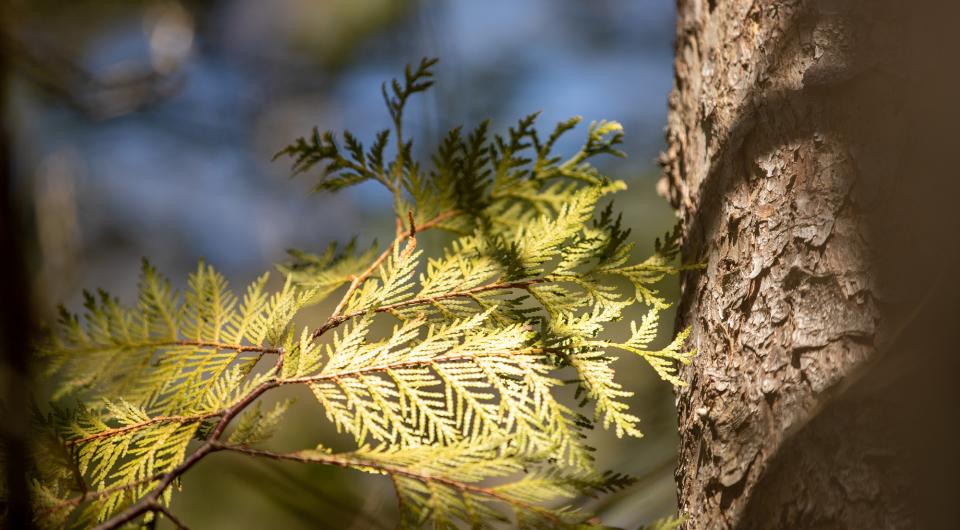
column 16, row 334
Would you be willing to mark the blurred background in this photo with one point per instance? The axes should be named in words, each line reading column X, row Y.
column 146, row 128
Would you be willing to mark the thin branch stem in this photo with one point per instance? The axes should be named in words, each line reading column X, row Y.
column 169, row 515
column 145, row 504
column 90, row 495
column 347, row 461
column 239, row 406
column 240, row 348
column 496, row 286
column 407, row 364
column 135, row 426
column 336, row 317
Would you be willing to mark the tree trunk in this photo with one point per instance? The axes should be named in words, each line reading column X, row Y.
column 808, row 156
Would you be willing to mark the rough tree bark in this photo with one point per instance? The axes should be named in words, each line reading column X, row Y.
column 808, row 156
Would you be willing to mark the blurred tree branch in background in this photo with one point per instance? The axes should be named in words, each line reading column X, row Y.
column 46, row 62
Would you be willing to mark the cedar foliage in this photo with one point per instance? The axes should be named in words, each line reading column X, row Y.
column 458, row 405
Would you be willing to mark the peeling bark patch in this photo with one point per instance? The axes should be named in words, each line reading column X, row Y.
column 821, row 314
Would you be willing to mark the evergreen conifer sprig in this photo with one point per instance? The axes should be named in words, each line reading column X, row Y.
column 460, row 405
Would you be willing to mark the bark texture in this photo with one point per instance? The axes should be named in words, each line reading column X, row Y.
column 808, row 157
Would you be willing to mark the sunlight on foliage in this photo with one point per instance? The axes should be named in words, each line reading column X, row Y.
column 459, row 405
